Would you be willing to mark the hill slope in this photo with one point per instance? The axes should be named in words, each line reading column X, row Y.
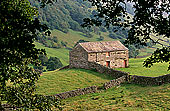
column 136, row 68
column 62, row 53
column 126, row 97
column 54, row 82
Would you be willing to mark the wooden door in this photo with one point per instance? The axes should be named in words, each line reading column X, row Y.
column 125, row 63
column 107, row 63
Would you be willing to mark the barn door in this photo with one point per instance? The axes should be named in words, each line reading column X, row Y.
column 107, row 63
column 125, row 63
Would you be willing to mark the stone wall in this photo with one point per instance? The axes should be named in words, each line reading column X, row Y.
column 102, row 69
column 115, row 82
column 65, row 67
column 143, row 80
column 92, row 89
column 77, row 92
column 121, row 77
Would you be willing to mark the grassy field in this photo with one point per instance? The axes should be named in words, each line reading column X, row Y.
column 125, row 97
column 136, row 68
column 74, row 36
column 54, row 82
column 62, row 54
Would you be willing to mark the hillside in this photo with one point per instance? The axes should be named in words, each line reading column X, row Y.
column 54, row 82
column 64, row 19
column 125, row 97
column 136, row 68
column 61, row 53
column 72, row 37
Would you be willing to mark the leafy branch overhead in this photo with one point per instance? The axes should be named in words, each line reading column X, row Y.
column 150, row 17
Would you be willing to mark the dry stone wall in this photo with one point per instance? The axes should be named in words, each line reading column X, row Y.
column 143, row 80
column 109, row 71
column 77, row 92
column 65, row 67
column 120, row 76
column 101, row 69
column 115, row 82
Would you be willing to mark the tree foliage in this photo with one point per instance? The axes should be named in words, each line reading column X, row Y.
column 53, row 63
column 150, row 16
column 63, row 14
column 19, row 29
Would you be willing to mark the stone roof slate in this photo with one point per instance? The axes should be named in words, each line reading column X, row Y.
column 104, row 46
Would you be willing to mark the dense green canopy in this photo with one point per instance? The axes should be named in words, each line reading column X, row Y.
column 19, row 28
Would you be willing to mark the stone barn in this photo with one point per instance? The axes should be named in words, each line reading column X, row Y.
column 111, row 54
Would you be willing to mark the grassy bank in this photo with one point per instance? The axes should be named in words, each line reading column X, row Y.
column 54, row 82
column 62, row 54
column 127, row 97
column 136, row 68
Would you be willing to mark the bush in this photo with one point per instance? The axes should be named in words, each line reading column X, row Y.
column 54, row 63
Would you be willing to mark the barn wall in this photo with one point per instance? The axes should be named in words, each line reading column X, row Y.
column 116, row 58
column 78, row 57
column 92, row 57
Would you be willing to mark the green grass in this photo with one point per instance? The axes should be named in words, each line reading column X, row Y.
column 127, row 97
column 136, row 68
column 62, row 54
column 74, row 36
column 54, row 82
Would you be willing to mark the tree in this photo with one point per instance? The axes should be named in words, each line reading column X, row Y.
column 150, row 17
column 43, row 59
column 54, row 63
column 133, row 52
column 19, row 28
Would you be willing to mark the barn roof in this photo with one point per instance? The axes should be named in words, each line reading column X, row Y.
column 104, row 46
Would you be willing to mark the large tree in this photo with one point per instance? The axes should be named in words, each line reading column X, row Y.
column 19, row 28
column 150, row 17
